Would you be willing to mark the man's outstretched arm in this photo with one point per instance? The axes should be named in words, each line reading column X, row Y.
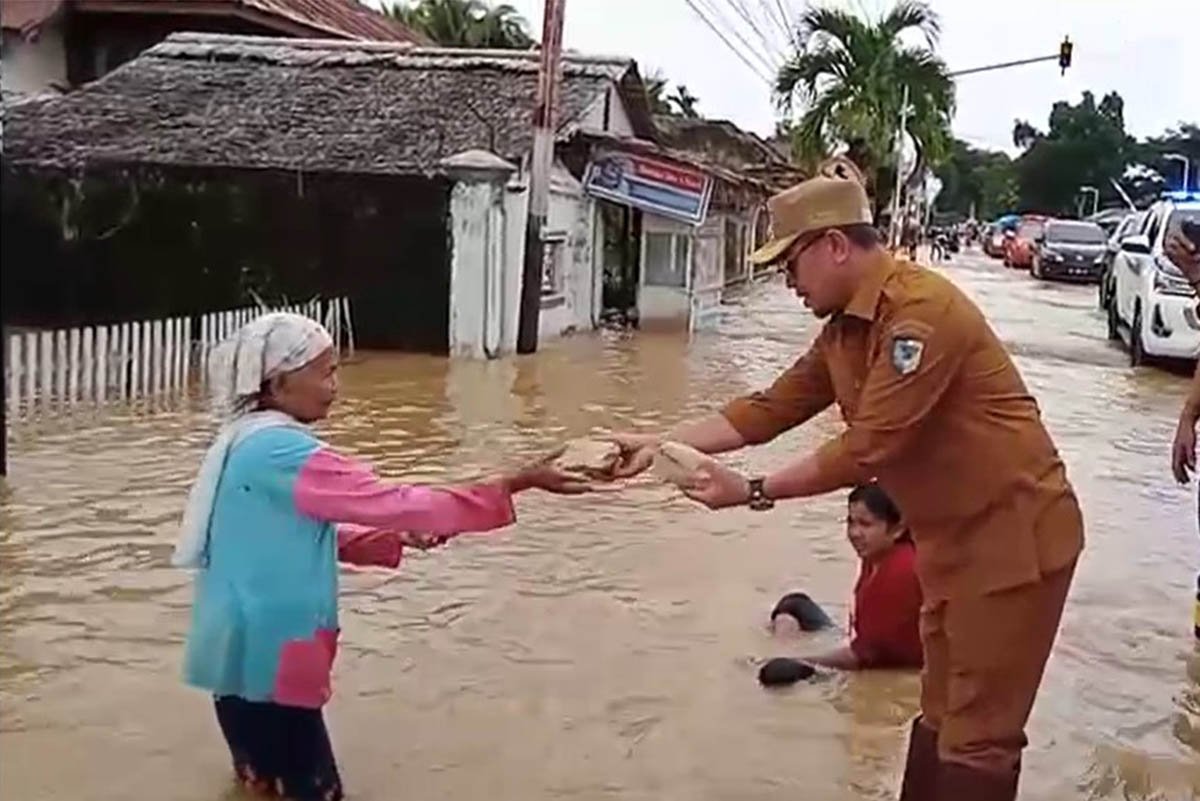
column 802, row 391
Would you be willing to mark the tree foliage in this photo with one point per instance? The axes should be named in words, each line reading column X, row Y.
column 1084, row 145
column 683, row 102
column 465, row 23
column 848, row 74
column 1155, row 172
column 979, row 181
column 680, row 103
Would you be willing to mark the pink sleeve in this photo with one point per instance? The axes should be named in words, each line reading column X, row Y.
column 368, row 547
column 341, row 490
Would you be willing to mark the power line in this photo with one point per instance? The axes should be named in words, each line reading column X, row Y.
column 719, row 16
column 772, row 10
column 768, row 13
column 728, row 44
column 792, row 36
column 739, row 6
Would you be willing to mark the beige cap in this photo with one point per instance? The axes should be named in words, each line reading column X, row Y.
column 812, row 205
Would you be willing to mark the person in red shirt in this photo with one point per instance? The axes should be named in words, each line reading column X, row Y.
column 887, row 596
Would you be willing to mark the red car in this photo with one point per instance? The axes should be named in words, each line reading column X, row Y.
column 1019, row 249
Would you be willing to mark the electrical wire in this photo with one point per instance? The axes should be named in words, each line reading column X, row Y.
column 790, row 35
column 741, row 56
column 711, row 6
column 739, row 7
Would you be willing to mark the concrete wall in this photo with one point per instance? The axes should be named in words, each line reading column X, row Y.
column 572, row 215
column 479, row 286
column 488, row 242
column 32, row 67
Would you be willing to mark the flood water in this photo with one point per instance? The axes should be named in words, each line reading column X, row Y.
column 604, row 647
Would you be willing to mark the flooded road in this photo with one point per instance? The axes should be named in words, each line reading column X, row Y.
column 605, row 647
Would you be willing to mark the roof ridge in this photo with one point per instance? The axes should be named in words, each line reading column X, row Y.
column 234, row 41
column 298, row 53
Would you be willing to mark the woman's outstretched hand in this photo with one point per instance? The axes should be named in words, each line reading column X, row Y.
column 544, row 475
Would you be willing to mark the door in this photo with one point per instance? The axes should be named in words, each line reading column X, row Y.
column 1127, row 270
column 663, row 296
column 708, row 280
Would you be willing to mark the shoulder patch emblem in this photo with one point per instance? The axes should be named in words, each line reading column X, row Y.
column 906, row 354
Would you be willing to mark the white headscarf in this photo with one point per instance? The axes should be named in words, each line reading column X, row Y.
column 273, row 344
column 269, row 346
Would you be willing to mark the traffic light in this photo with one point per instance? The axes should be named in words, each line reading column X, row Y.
column 1064, row 54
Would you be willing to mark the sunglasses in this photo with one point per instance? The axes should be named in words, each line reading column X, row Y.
column 798, row 252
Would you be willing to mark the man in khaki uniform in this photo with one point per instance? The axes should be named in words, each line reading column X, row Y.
column 935, row 411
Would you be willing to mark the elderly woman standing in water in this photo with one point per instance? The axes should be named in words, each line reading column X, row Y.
column 272, row 512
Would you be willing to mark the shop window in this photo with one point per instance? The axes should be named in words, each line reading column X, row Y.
column 668, row 257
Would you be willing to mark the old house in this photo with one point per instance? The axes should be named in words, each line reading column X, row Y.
column 214, row 166
column 54, row 45
column 757, row 163
column 689, row 208
column 216, row 169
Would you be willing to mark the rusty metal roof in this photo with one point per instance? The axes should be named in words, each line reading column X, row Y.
column 346, row 19
column 295, row 104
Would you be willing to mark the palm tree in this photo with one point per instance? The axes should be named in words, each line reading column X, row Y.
column 656, row 85
column 848, row 74
column 465, row 23
column 684, row 102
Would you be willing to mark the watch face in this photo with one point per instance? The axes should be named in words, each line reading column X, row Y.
column 758, row 500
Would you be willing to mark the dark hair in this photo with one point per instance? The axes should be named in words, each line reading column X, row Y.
column 782, row 671
column 863, row 235
column 804, row 609
column 878, row 502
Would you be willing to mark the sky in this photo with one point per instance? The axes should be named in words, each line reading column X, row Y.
column 1138, row 48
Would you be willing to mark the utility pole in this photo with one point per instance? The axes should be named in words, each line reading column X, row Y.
column 4, row 405
column 4, row 354
column 539, row 174
column 897, row 226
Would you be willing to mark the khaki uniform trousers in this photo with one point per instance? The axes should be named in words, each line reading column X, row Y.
column 984, row 659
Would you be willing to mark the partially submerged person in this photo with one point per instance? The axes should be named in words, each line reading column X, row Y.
column 272, row 513
column 887, row 596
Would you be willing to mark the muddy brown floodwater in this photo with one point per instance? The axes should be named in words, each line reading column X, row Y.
column 604, row 647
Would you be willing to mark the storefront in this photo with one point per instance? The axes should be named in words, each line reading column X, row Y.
column 685, row 251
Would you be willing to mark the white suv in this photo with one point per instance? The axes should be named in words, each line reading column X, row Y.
column 1153, row 309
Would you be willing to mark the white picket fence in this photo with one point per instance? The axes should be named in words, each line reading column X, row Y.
column 52, row 371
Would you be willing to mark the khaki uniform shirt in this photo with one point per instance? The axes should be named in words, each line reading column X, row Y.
column 936, row 412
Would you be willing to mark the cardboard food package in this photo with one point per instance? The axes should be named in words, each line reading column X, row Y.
column 677, row 463
column 594, row 458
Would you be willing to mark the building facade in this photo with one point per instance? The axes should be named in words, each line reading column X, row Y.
column 393, row 174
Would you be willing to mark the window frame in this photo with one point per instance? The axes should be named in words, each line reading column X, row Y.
column 554, row 248
column 674, row 238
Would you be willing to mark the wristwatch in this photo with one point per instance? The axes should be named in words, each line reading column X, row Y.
column 758, row 500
